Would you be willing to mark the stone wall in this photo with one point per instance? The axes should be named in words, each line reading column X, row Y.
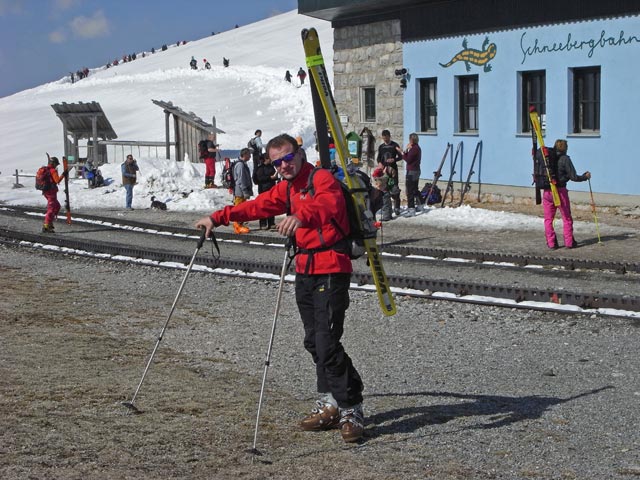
column 367, row 56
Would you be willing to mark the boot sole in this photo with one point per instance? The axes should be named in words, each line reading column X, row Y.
column 320, row 428
column 353, row 438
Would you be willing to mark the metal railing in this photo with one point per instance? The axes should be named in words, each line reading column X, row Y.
column 122, row 148
column 19, row 174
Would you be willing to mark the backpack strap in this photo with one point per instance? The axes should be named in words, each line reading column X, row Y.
column 340, row 246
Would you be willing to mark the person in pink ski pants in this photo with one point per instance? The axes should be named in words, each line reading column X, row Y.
column 565, row 172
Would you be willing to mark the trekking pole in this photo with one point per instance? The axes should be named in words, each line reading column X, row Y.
column 131, row 403
column 593, row 209
column 285, row 265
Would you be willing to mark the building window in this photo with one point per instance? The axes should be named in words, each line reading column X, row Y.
column 428, row 105
column 533, row 93
column 368, row 104
column 468, row 103
column 586, row 100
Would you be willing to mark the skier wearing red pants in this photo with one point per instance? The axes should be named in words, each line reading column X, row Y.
column 50, row 192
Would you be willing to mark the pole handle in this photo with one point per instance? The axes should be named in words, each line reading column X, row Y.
column 203, row 237
column 203, row 234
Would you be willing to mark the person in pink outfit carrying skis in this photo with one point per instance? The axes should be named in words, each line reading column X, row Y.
column 562, row 170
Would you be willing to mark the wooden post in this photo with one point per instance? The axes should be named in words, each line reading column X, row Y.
column 166, row 134
column 177, row 136
column 76, row 147
column 66, row 140
column 94, row 132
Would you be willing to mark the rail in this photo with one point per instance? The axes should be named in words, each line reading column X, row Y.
column 506, row 296
column 19, row 174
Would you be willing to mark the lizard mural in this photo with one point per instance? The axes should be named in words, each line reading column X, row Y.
column 477, row 57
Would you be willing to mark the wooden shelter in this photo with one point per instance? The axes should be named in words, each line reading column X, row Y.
column 188, row 130
column 84, row 121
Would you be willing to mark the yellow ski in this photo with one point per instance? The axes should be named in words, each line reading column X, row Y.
column 535, row 124
column 320, row 81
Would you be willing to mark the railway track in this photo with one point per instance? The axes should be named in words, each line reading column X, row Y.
column 409, row 252
column 260, row 253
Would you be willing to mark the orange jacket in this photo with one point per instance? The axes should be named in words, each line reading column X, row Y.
column 55, row 177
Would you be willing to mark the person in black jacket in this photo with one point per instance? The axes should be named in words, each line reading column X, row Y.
column 565, row 172
column 265, row 177
column 389, row 153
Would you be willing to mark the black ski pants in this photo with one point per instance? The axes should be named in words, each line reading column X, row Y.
column 411, row 185
column 322, row 301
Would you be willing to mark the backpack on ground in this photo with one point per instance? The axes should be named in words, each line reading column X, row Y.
column 44, row 181
column 540, row 176
column 202, row 149
column 359, row 230
column 228, row 180
column 434, row 197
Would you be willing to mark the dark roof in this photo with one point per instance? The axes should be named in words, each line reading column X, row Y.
column 77, row 118
column 434, row 18
column 190, row 117
column 333, row 10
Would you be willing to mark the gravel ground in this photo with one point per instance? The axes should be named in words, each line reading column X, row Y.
column 453, row 391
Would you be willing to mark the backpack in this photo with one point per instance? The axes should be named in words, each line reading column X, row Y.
column 435, row 197
column 228, row 181
column 44, row 181
column 251, row 145
column 540, row 176
column 359, row 230
column 202, row 149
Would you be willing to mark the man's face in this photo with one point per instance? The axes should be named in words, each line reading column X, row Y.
column 288, row 170
column 386, row 138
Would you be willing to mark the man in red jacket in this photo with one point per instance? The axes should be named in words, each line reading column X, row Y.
column 323, row 274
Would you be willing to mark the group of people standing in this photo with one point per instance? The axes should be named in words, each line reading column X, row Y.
column 193, row 63
column 264, row 176
column 79, row 74
column 386, row 179
column 561, row 171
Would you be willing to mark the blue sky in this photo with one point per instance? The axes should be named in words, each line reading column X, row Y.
column 43, row 40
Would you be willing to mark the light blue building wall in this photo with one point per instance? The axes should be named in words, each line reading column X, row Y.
column 612, row 154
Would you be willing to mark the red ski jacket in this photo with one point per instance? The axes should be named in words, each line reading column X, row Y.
column 316, row 213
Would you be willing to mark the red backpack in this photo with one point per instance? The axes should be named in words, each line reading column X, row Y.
column 44, row 181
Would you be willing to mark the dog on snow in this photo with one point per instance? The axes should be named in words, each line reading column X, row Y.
column 157, row 204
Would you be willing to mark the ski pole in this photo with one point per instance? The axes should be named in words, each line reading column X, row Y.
column 593, row 209
column 285, row 265
column 131, row 403
column 67, row 205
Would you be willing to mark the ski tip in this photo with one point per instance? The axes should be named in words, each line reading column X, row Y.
column 309, row 34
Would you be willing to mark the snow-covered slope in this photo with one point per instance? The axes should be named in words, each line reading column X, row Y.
column 250, row 94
